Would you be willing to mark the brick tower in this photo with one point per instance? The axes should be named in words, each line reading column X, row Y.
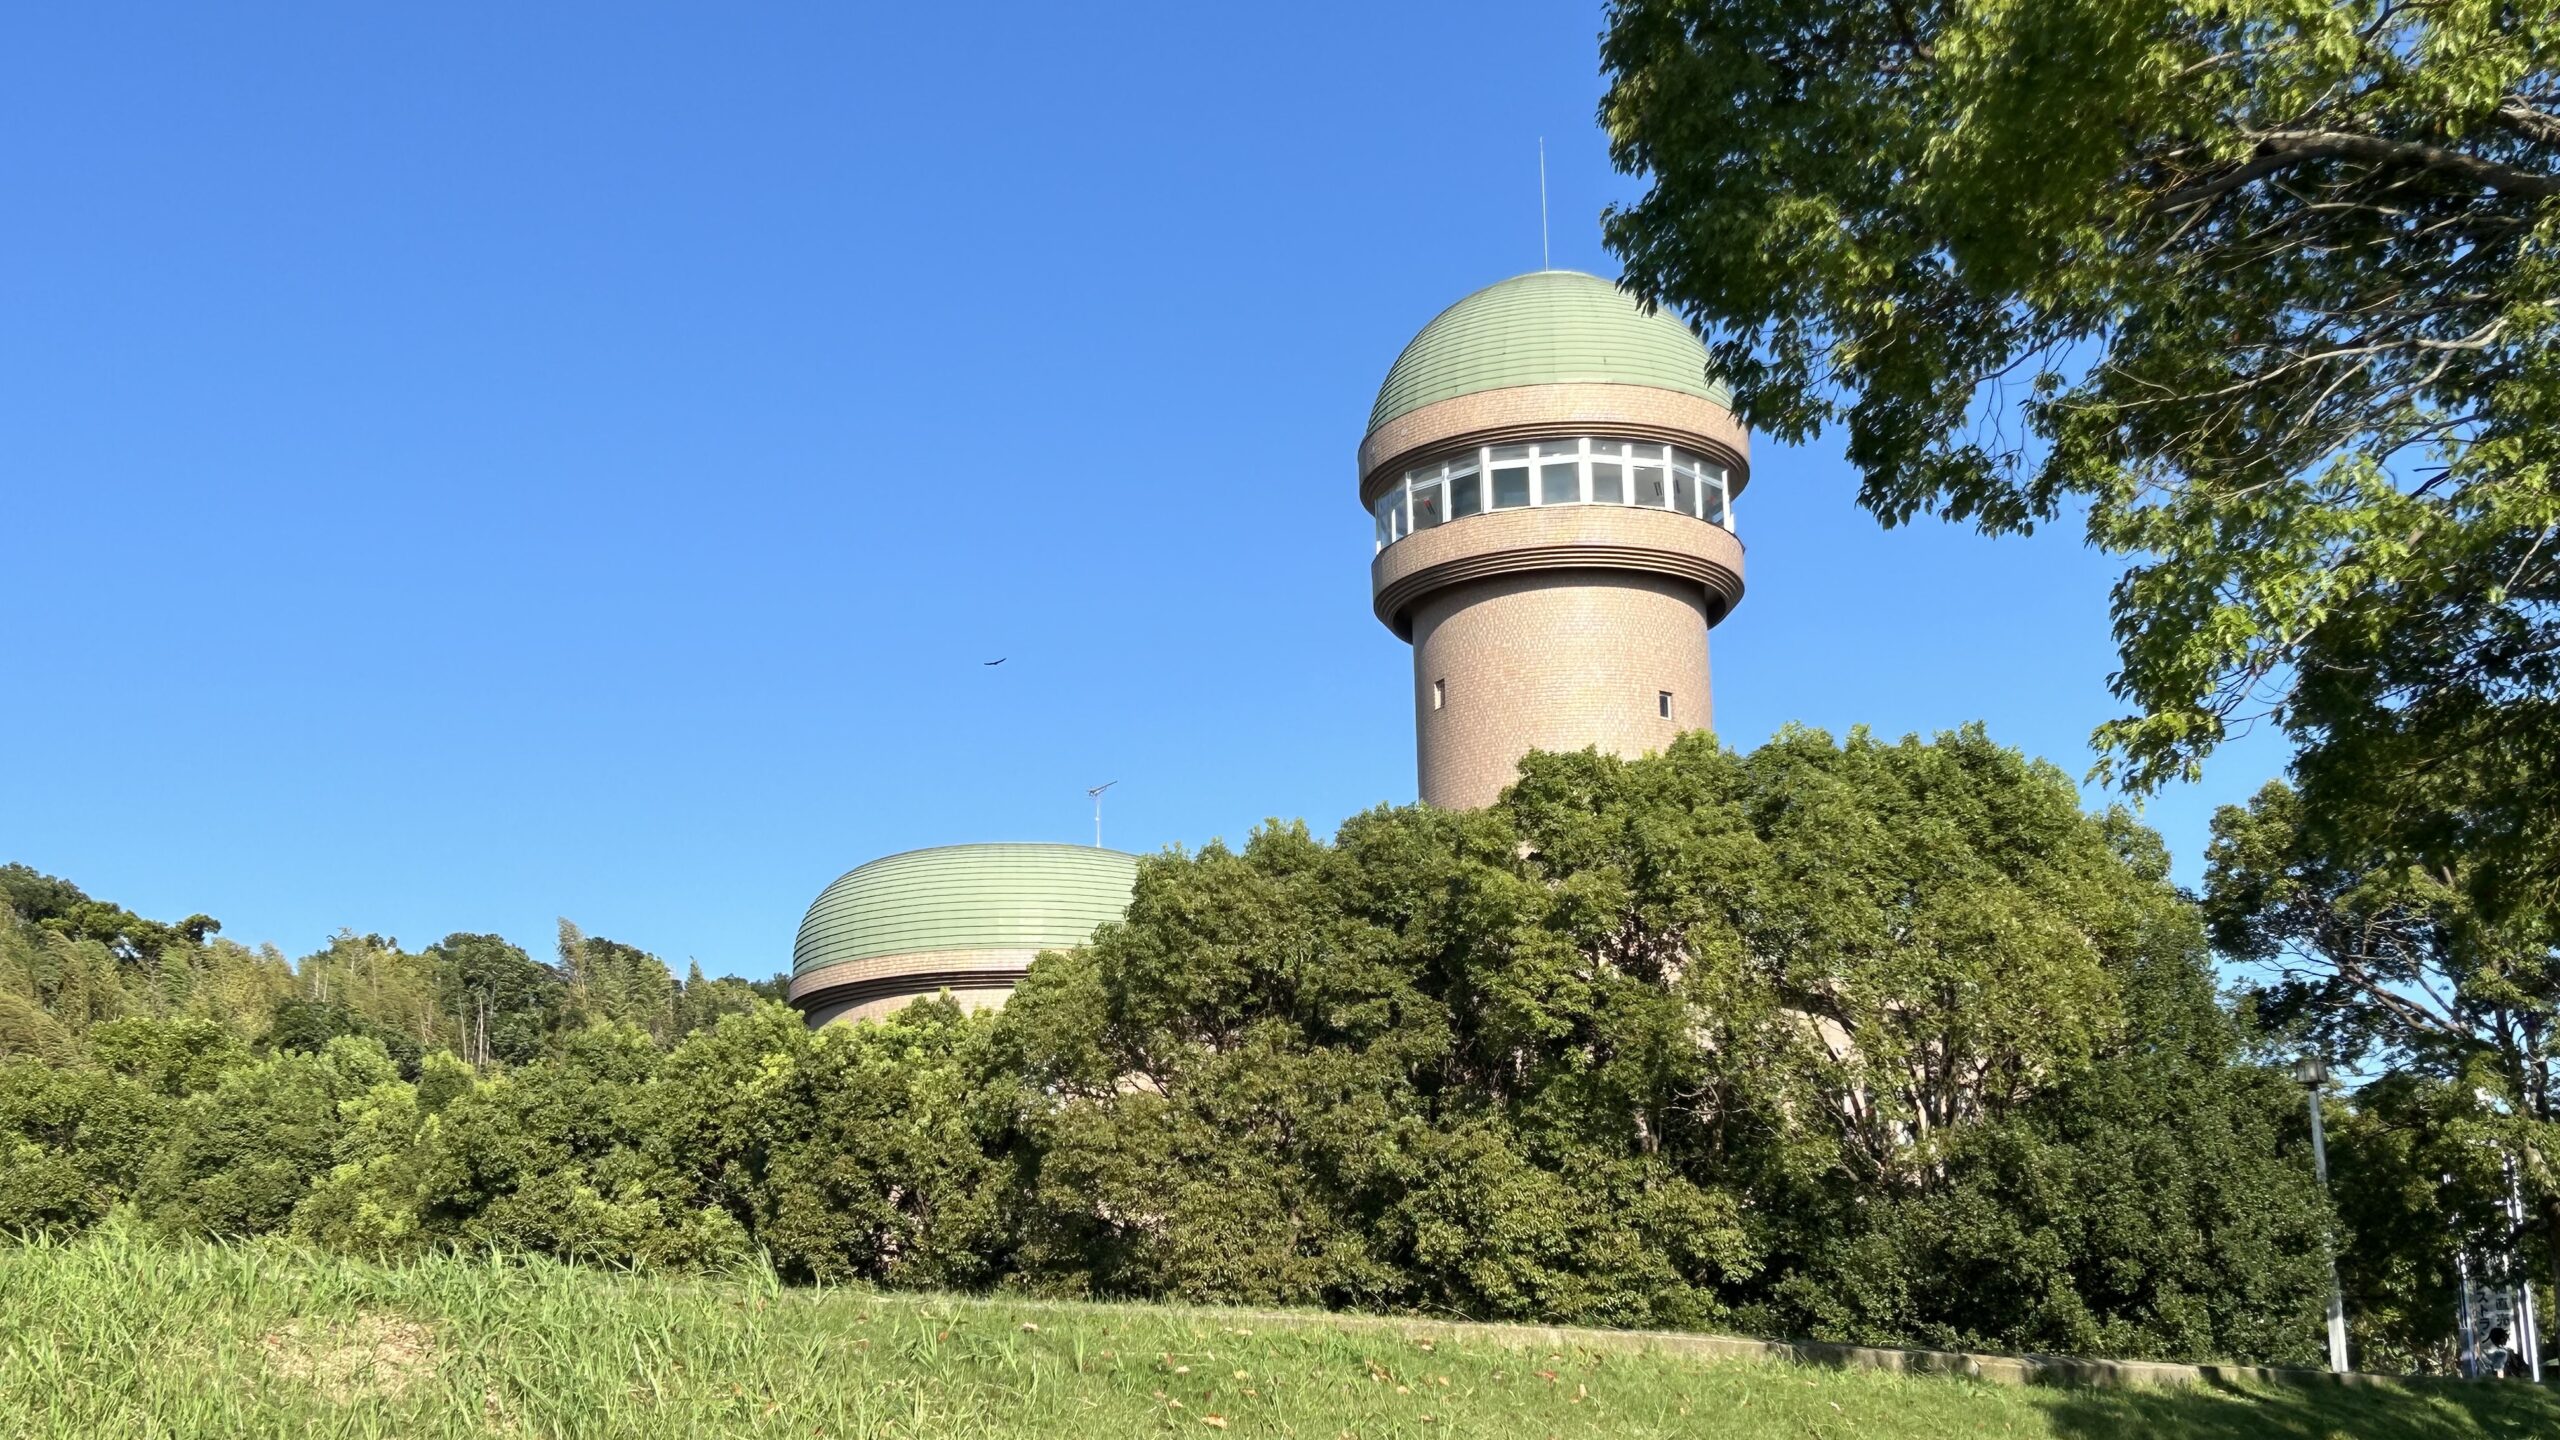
column 1552, row 475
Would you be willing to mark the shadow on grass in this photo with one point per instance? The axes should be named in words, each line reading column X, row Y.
column 2224, row 1410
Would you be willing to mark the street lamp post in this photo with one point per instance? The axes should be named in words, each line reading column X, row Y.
column 2314, row 1074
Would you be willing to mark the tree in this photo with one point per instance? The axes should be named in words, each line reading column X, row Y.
column 1867, row 1040
column 172, row 1058
column 240, row 1157
column 2379, row 955
column 26, row 1032
column 381, row 990
column 61, row 906
column 555, row 1157
column 700, row 1002
column 83, row 961
column 2414, row 1162
column 73, row 1143
column 617, row 983
column 504, row 1004
column 1883, row 1041
column 237, row 987
column 2153, row 1202
column 872, row 1152
column 2262, row 290
column 368, row 1202
column 308, row 1027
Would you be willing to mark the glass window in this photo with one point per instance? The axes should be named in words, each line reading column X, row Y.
column 1582, row 470
column 1426, row 505
column 1608, row 483
column 1560, row 483
column 1650, row 489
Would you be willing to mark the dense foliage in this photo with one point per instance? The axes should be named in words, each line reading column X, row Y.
column 1884, row 1042
column 2259, row 291
column 2387, row 959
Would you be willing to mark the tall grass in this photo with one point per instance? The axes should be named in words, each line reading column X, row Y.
column 121, row 1335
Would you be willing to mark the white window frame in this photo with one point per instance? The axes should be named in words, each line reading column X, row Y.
column 1705, row 476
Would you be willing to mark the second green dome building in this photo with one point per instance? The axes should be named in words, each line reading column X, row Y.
column 968, row 919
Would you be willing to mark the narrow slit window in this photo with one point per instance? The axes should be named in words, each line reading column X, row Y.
column 1439, row 694
column 1664, row 699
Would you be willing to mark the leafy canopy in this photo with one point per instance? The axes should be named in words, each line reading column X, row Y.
column 2262, row 290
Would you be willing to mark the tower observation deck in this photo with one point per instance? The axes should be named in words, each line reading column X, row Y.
column 1551, row 473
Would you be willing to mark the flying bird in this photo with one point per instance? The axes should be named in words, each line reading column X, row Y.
column 996, row 661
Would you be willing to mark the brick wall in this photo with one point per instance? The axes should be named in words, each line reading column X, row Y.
column 1551, row 660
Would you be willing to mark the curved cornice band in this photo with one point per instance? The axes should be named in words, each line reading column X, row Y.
column 1557, row 537
column 917, row 985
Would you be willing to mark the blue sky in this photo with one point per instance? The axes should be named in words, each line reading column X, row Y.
column 470, row 465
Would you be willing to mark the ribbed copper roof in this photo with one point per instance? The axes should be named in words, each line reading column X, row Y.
column 965, row 897
column 1547, row 327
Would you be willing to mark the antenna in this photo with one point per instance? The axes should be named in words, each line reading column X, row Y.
column 1546, row 261
column 1096, row 793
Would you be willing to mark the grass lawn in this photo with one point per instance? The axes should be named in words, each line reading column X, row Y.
column 113, row 1336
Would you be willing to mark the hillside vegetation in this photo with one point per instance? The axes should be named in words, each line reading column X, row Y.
column 1890, row 1043
column 110, row 1336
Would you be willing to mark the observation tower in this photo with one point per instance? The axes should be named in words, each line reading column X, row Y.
column 1552, row 475
column 968, row 919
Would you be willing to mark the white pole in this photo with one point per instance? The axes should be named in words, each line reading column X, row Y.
column 2466, row 1345
column 1546, row 257
column 2337, row 1299
column 2528, row 1338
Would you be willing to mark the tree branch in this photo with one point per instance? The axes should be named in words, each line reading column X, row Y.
column 2528, row 122
column 2305, row 145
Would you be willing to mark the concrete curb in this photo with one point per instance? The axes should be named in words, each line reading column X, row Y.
column 1996, row 1369
column 1992, row 1369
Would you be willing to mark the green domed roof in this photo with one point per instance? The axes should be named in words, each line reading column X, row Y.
column 1544, row 328
column 965, row 897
